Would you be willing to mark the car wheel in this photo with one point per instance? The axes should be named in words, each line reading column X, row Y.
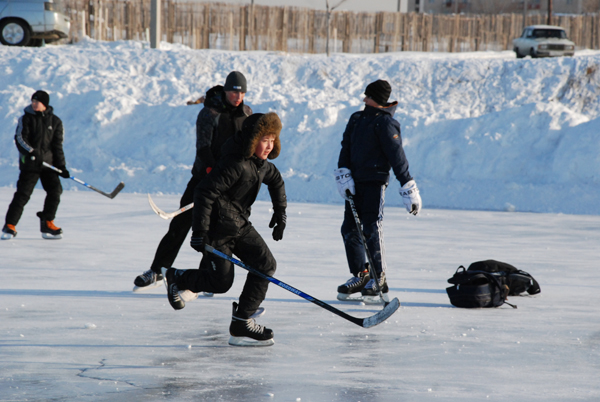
column 519, row 55
column 14, row 33
column 532, row 53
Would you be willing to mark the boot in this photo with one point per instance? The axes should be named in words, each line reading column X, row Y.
column 246, row 332
column 370, row 293
column 49, row 229
column 353, row 285
column 175, row 299
column 147, row 280
column 8, row 232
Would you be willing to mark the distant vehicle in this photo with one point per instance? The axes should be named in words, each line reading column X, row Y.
column 30, row 22
column 543, row 41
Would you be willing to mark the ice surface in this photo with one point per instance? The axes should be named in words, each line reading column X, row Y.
column 72, row 329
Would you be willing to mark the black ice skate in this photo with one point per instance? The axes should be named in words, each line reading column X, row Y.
column 49, row 229
column 246, row 332
column 372, row 296
column 175, row 299
column 8, row 232
column 353, row 285
column 147, row 280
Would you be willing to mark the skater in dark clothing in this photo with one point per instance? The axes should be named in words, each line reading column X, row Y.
column 222, row 204
column 371, row 145
column 39, row 138
column 222, row 116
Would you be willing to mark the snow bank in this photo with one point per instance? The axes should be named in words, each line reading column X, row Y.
column 481, row 130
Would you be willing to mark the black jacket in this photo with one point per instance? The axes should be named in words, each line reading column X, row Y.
column 216, row 123
column 372, row 144
column 223, row 199
column 39, row 133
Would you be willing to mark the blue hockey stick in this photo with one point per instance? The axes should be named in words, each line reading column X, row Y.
column 368, row 322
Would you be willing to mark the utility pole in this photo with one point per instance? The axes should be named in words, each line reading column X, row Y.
column 402, row 6
column 549, row 12
column 155, row 34
column 524, row 13
column 329, row 10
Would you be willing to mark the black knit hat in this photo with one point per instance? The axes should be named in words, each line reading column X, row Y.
column 379, row 91
column 41, row 97
column 235, row 82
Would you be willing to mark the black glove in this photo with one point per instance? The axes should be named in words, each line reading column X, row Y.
column 278, row 222
column 65, row 173
column 199, row 240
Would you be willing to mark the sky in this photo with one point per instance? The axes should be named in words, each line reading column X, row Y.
column 504, row 151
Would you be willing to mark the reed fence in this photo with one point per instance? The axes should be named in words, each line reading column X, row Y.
column 293, row 29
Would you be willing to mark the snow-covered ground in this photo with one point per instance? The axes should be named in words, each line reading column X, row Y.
column 484, row 133
column 481, row 130
column 72, row 330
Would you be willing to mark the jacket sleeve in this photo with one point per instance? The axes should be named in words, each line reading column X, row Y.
column 221, row 179
column 206, row 125
column 58, row 155
column 388, row 132
column 22, row 136
column 276, row 187
column 344, row 159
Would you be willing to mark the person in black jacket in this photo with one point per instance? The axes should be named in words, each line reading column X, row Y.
column 39, row 138
column 222, row 204
column 222, row 116
column 371, row 146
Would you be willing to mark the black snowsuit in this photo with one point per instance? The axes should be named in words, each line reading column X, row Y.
column 222, row 206
column 216, row 122
column 371, row 145
column 39, row 138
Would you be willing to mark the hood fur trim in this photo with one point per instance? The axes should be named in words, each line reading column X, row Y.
column 257, row 126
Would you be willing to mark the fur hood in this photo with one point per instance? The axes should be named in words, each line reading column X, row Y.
column 253, row 129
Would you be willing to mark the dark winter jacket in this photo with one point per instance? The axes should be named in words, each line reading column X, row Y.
column 39, row 134
column 217, row 122
column 372, row 144
column 223, row 199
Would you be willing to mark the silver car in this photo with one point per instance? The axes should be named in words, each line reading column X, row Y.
column 30, row 22
column 543, row 41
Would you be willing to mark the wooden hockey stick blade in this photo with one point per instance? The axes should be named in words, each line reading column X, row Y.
column 167, row 215
column 368, row 322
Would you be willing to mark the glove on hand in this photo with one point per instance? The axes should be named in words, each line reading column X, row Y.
column 344, row 180
column 64, row 172
column 199, row 240
column 278, row 223
column 410, row 197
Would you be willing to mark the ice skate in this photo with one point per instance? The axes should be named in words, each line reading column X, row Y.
column 246, row 332
column 371, row 295
column 147, row 280
column 49, row 230
column 8, row 232
column 173, row 295
column 346, row 292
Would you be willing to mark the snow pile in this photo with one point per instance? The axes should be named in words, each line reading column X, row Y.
column 481, row 130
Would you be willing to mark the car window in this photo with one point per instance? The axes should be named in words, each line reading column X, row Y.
column 549, row 33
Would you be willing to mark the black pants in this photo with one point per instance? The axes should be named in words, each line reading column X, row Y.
column 169, row 246
column 369, row 200
column 25, row 185
column 216, row 274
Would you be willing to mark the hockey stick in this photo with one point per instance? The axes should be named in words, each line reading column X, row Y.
column 167, row 215
column 111, row 195
column 364, row 242
column 389, row 309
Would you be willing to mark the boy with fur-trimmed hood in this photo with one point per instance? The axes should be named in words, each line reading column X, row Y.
column 222, row 206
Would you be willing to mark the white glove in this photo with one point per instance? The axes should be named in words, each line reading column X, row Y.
column 344, row 180
column 410, row 197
